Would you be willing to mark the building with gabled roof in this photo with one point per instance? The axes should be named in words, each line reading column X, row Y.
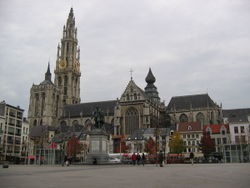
column 220, row 134
column 191, row 133
column 191, row 108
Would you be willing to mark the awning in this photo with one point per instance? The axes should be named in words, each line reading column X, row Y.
column 31, row 157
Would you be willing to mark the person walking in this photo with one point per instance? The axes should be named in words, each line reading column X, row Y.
column 143, row 159
column 191, row 157
column 133, row 158
column 138, row 158
column 161, row 159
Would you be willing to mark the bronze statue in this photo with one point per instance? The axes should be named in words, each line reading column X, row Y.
column 98, row 117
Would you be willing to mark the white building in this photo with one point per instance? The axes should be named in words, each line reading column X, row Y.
column 239, row 125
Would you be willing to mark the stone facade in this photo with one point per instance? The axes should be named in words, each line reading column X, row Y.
column 48, row 98
column 193, row 108
column 12, row 131
column 58, row 103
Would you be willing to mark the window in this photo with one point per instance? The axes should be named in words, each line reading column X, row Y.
column 236, row 130
column 193, row 135
column 237, row 139
column 131, row 120
column 218, row 141
column 183, row 118
column 200, row 118
column 11, row 121
column 127, row 97
column 242, row 130
column 75, row 122
column 224, row 140
column 135, row 96
column 223, row 132
column 184, row 136
column 11, row 130
column 65, row 91
column 209, row 130
column 189, row 128
column 59, row 81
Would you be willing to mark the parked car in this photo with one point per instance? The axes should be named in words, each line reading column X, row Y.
column 114, row 160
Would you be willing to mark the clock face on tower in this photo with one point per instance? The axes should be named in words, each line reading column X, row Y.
column 62, row 64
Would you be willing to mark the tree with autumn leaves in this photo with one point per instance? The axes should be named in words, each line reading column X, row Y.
column 176, row 144
column 207, row 145
column 123, row 148
column 150, row 146
column 73, row 147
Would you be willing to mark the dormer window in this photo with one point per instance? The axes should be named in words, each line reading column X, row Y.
column 209, row 130
column 223, row 131
column 189, row 128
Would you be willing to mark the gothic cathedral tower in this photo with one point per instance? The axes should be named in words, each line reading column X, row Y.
column 47, row 98
column 67, row 73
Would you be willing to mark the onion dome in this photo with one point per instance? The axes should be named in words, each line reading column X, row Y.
column 150, row 79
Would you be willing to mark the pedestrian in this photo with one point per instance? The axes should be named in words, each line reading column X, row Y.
column 191, row 157
column 143, row 159
column 161, row 159
column 138, row 158
column 133, row 158
column 67, row 163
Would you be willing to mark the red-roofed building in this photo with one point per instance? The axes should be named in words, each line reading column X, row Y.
column 220, row 134
column 191, row 133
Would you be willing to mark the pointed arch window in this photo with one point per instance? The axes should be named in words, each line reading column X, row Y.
column 131, row 120
column 88, row 124
column 75, row 122
column 201, row 118
column 183, row 118
column 59, row 81
column 35, row 122
column 63, row 123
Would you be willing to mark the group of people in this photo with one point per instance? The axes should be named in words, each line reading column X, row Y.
column 137, row 158
column 140, row 159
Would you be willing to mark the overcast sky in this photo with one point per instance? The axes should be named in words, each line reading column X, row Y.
column 192, row 47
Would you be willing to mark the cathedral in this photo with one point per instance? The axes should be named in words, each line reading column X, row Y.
column 58, row 103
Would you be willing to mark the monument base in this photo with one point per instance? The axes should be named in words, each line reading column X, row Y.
column 98, row 151
column 97, row 159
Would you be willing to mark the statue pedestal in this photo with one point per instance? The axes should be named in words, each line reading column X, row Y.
column 98, row 150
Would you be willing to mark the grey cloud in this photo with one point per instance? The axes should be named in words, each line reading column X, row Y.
column 191, row 46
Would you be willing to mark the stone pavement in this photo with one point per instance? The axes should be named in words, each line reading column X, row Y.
column 149, row 176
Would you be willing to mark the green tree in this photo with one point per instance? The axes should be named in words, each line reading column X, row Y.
column 207, row 144
column 176, row 144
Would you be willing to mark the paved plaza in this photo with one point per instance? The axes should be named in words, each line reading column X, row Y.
column 170, row 176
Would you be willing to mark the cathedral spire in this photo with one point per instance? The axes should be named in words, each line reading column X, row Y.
column 67, row 73
column 48, row 74
column 150, row 89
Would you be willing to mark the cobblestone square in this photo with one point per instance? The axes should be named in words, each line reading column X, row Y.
column 170, row 176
